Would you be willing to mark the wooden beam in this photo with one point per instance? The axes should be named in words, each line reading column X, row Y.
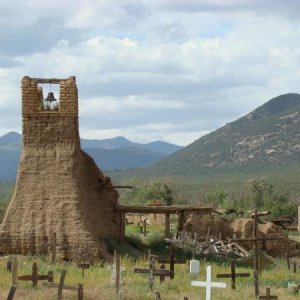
column 48, row 80
column 162, row 209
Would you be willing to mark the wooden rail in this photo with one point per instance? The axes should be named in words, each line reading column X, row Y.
column 162, row 209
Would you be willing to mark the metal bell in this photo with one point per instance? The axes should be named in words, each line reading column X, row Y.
column 50, row 98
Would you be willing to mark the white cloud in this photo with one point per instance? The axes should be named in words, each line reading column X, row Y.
column 153, row 69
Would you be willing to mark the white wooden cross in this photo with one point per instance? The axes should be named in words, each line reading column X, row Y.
column 208, row 283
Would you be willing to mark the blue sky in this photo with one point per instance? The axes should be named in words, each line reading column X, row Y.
column 147, row 70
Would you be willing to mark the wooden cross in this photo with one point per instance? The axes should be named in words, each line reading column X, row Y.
column 84, row 265
column 233, row 275
column 152, row 272
column 61, row 286
column 35, row 277
column 208, row 283
column 268, row 295
column 255, row 239
column 172, row 261
column 143, row 226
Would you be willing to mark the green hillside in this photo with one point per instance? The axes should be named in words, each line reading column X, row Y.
column 265, row 142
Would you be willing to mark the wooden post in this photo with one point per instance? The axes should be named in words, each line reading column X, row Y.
column 172, row 261
column 180, row 221
column 167, row 225
column 256, row 287
column 9, row 264
column 233, row 275
column 80, row 292
column 255, row 241
column 53, row 248
column 14, row 271
column 117, row 261
column 34, row 274
column 122, row 226
column 157, row 296
column 145, row 227
column 61, row 284
column 11, row 293
column 288, row 261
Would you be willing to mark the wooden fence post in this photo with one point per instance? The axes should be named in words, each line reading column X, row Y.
column 11, row 293
column 14, row 271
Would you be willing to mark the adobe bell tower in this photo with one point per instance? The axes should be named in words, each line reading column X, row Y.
column 59, row 188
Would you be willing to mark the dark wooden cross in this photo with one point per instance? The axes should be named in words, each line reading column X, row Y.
column 255, row 239
column 152, row 272
column 84, row 265
column 172, row 261
column 143, row 226
column 61, row 286
column 35, row 277
column 233, row 275
column 268, row 295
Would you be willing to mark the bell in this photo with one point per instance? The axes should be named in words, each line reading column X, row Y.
column 50, row 97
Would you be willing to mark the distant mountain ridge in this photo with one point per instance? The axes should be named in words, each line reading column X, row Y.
column 109, row 154
column 266, row 138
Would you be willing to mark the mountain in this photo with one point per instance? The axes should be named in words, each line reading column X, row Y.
column 123, row 158
column 11, row 139
column 109, row 154
column 266, row 138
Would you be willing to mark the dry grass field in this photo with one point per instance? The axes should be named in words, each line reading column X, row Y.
column 97, row 282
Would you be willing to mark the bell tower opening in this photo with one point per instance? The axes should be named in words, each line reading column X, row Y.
column 50, row 100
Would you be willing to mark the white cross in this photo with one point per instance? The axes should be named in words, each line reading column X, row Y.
column 208, row 283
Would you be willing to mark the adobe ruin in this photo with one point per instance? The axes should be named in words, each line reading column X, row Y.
column 59, row 188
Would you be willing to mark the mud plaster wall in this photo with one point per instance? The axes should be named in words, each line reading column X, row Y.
column 59, row 188
column 240, row 228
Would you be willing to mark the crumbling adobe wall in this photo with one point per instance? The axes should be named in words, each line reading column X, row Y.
column 59, row 188
column 241, row 228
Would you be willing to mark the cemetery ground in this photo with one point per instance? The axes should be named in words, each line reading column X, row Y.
column 98, row 285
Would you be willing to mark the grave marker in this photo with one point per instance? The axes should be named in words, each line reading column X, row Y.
column 35, row 277
column 61, row 286
column 208, row 284
column 172, row 261
column 268, row 295
column 143, row 226
column 152, row 271
column 233, row 275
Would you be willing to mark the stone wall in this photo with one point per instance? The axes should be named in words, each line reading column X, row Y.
column 59, row 188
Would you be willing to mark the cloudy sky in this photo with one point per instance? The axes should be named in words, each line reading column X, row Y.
column 171, row 70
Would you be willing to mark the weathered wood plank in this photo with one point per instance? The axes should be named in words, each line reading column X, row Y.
column 162, row 209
